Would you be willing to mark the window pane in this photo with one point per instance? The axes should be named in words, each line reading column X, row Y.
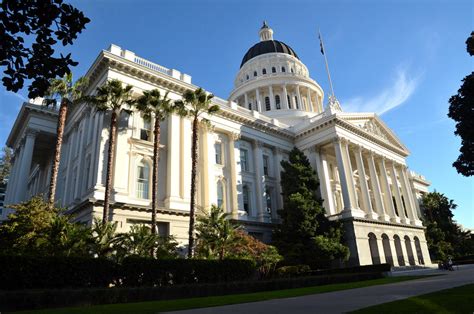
column 265, row 165
column 220, row 194
column 143, row 181
column 218, row 148
column 244, row 160
column 267, row 103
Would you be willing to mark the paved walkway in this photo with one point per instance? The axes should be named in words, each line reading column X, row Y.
column 348, row 300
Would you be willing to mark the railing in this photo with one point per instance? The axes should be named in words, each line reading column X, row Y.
column 151, row 65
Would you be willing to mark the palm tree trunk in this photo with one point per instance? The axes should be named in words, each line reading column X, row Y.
column 193, row 186
column 57, row 152
column 110, row 158
column 156, row 156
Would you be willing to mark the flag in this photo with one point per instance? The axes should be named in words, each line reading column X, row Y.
column 321, row 44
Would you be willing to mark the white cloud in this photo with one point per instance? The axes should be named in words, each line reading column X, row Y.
column 392, row 96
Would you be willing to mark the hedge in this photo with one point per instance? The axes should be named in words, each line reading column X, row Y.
column 35, row 272
column 37, row 299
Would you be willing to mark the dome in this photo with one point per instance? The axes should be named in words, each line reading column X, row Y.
column 268, row 46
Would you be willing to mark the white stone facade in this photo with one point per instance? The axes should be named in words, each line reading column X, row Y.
column 364, row 179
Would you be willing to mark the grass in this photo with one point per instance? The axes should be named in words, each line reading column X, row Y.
column 183, row 304
column 455, row 300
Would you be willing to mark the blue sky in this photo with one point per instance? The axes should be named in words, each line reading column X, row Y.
column 401, row 59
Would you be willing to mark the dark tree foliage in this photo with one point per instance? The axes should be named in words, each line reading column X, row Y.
column 444, row 236
column 305, row 235
column 29, row 30
column 461, row 110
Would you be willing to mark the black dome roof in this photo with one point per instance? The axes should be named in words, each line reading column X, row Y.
column 268, row 46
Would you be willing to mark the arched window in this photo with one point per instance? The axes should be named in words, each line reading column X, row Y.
column 250, row 106
column 274, row 70
column 247, row 76
column 254, row 73
column 289, row 101
column 296, row 102
column 277, row 102
column 374, row 250
column 292, row 70
column 220, row 194
column 267, row 103
column 386, row 249
column 283, row 69
column 264, row 71
column 143, row 180
column 398, row 250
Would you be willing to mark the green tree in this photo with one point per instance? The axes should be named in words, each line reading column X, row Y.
column 5, row 164
column 305, row 235
column 461, row 110
column 113, row 97
column 69, row 94
column 214, row 233
column 104, row 238
column 140, row 241
column 194, row 105
column 157, row 107
column 444, row 236
column 30, row 32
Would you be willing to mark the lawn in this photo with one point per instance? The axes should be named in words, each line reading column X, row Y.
column 455, row 300
column 183, row 304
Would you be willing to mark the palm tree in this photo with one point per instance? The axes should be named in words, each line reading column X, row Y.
column 152, row 104
column 70, row 94
column 111, row 96
column 193, row 105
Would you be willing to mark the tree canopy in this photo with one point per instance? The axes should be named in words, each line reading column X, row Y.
column 461, row 110
column 31, row 31
column 305, row 235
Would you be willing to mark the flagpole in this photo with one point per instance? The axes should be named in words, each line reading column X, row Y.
column 323, row 51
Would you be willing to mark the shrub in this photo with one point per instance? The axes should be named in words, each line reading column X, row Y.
column 293, row 271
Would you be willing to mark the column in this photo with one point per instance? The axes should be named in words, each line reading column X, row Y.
column 324, row 181
column 259, row 103
column 259, row 179
column 246, row 100
column 285, row 96
column 173, row 163
column 409, row 197
column 342, row 174
column 277, row 161
column 272, row 99
column 349, row 173
column 233, row 175
column 298, row 94
column 363, row 184
column 387, row 192
column 308, row 98
column 10, row 192
column 406, row 195
column 396, row 193
column 374, row 180
column 25, row 165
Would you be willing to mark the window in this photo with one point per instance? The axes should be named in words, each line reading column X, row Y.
column 296, row 102
column 218, row 149
column 250, row 106
column 274, row 70
column 267, row 103
column 220, row 194
column 264, row 71
column 277, row 102
column 283, row 69
column 292, row 71
column 254, row 73
column 268, row 198
column 247, row 76
column 244, row 160
column 163, row 229
column 145, row 131
column 289, row 101
column 143, row 179
column 246, row 197
column 265, row 165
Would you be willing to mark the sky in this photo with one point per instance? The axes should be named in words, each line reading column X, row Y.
column 401, row 59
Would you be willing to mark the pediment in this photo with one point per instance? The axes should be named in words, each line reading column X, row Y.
column 373, row 125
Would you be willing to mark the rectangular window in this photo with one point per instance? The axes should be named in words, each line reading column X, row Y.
column 244, row 160
column 218, row 149
column 163, row 229
column 265, row 165
column 246, row 197
column 145, row 131
column 268, row 198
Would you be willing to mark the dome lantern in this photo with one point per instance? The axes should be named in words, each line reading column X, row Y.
column 266, row 33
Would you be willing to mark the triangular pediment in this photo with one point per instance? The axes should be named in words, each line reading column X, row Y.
column 373, row 125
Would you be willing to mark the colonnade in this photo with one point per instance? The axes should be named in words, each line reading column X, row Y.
column 292, row 96
column 381, row 192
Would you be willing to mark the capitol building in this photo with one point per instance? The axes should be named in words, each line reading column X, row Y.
column 274, row 106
